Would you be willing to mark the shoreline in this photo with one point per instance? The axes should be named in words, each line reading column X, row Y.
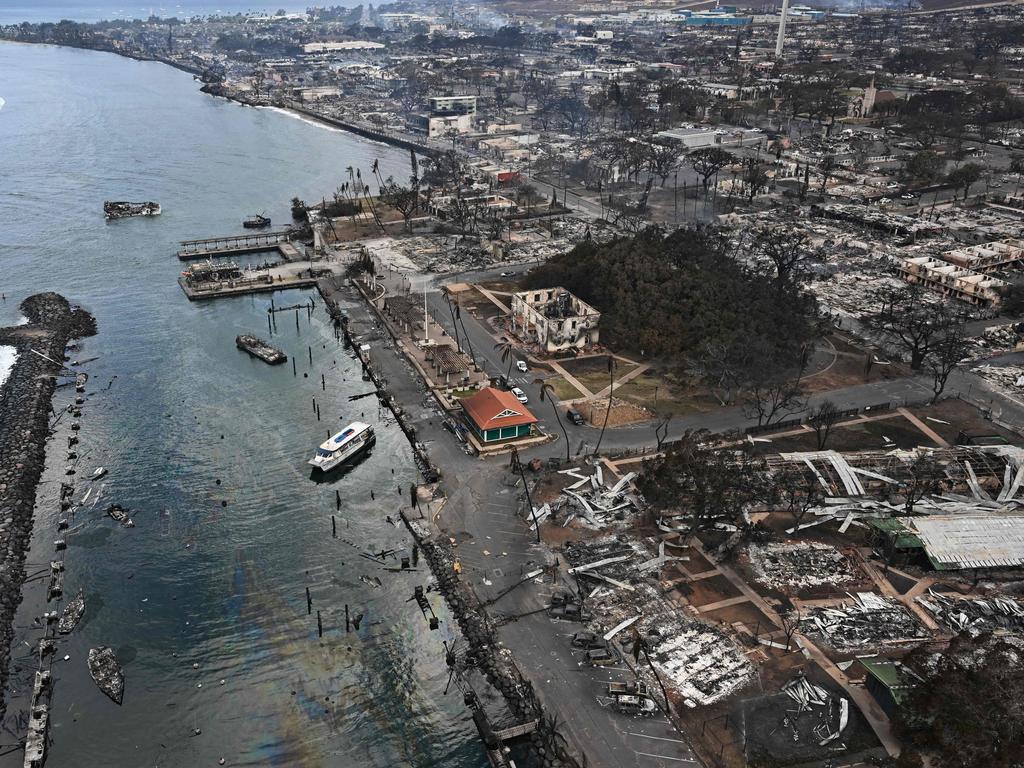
column 216, row 90
column 25, row 406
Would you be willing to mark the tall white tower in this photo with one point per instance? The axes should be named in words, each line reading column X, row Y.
column 782, row 29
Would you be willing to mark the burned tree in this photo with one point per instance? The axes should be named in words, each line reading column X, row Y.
column 707, row 483
column 798, row 492
column 910, row 320
column 822, row 419
column 951, row 349
column 709, row 161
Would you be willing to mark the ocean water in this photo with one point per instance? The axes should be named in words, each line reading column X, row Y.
column 17, row 11
column 204, row 599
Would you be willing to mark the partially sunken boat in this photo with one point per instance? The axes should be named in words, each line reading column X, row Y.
column 71, row 614
column 259, row 221
column 107, row 673
column 121, row 209
column 257, row 347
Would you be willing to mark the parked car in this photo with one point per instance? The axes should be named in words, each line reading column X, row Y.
column 601, row 657
column 520, row 395
column 522, row 366
column 575, row 417
column 588, row 641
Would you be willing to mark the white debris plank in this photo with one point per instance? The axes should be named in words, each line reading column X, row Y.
column 808, row 525
column 620, row 626
column 1015, row 486
column 610, row 580
column 599, row 563
column 846, row 523
column 617, row 488
column 972, row 481
column 818, row 475
column 874, row 475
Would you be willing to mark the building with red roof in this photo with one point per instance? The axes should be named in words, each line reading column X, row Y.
column 495, row 415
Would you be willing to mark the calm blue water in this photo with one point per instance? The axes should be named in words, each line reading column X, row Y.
column 16, row 11
column 197, row 582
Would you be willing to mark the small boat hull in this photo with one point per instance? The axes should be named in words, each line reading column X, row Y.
column 107, row 673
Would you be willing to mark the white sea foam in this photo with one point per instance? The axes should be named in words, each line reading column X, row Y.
column 8, row 356
column 2, row 102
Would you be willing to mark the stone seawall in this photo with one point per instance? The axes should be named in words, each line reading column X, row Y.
column 25, row 407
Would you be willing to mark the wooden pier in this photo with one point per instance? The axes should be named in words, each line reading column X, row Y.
column 232, row 245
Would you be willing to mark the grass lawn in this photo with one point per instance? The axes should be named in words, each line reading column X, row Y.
column 563, row 389
column 592, row 372
column 664, row 396
column 461, row 393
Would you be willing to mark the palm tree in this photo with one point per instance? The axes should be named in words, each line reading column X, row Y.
column 517, row 467
column 608, row 410
column 547, row 392
column 506, row 354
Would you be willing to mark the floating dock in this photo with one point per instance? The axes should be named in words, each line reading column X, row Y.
column 233, row 245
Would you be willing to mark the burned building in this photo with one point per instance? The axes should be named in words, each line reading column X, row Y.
column 554, row 318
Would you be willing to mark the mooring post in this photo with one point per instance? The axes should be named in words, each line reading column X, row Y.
column 337, row 499
column 334, row 527
column 314, row 403
column 270, row 327
column 296, row 321
column 310, row 355
column 319, row 625
column 309, row 602
column 348, row 627
column 294, row 371
column 323, row 383
column 318, row 413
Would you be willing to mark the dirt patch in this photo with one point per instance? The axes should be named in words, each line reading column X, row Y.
column 665, row 396
column 710, row 590
column 621, row 412
column 848, row 366
column 962, row 417
column 747, row 613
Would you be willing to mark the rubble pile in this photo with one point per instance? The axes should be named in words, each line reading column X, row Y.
column 701, row 662
column 1009, row 378
column 826, row 716
column 975, row 615
column 995, row 340
column 869, row 620
column 591, row 502
column 799, row 564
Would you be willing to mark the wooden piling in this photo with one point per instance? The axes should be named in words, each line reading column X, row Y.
column 310, row 355
column 294, row 371
column 334, row 527
column 309, row 602
column 296, row 321
column 319, row 625
column 323, row 383
column 348, row 627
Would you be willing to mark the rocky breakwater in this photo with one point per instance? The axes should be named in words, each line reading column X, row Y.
column 548, row 748
column 25, row 406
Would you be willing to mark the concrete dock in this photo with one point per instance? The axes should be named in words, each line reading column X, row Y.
column 280, row 277
column 234, row 245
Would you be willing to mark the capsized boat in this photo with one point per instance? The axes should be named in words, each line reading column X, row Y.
column 257, row 347
column 122, row 209
column 347, row 444
column 71, row 614
column 107, row 673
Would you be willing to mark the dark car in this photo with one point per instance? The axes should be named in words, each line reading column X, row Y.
column 588, row 641
column 575, row 417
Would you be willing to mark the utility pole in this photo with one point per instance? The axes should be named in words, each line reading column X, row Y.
column 426, row 321
column 782, row 29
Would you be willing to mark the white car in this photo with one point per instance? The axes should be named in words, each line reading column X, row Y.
column 521, row 366
column 520, row 395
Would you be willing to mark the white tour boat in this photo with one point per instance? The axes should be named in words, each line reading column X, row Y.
column 352, row 440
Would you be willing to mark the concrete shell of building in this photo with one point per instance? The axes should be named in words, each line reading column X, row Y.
column 555, row 319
